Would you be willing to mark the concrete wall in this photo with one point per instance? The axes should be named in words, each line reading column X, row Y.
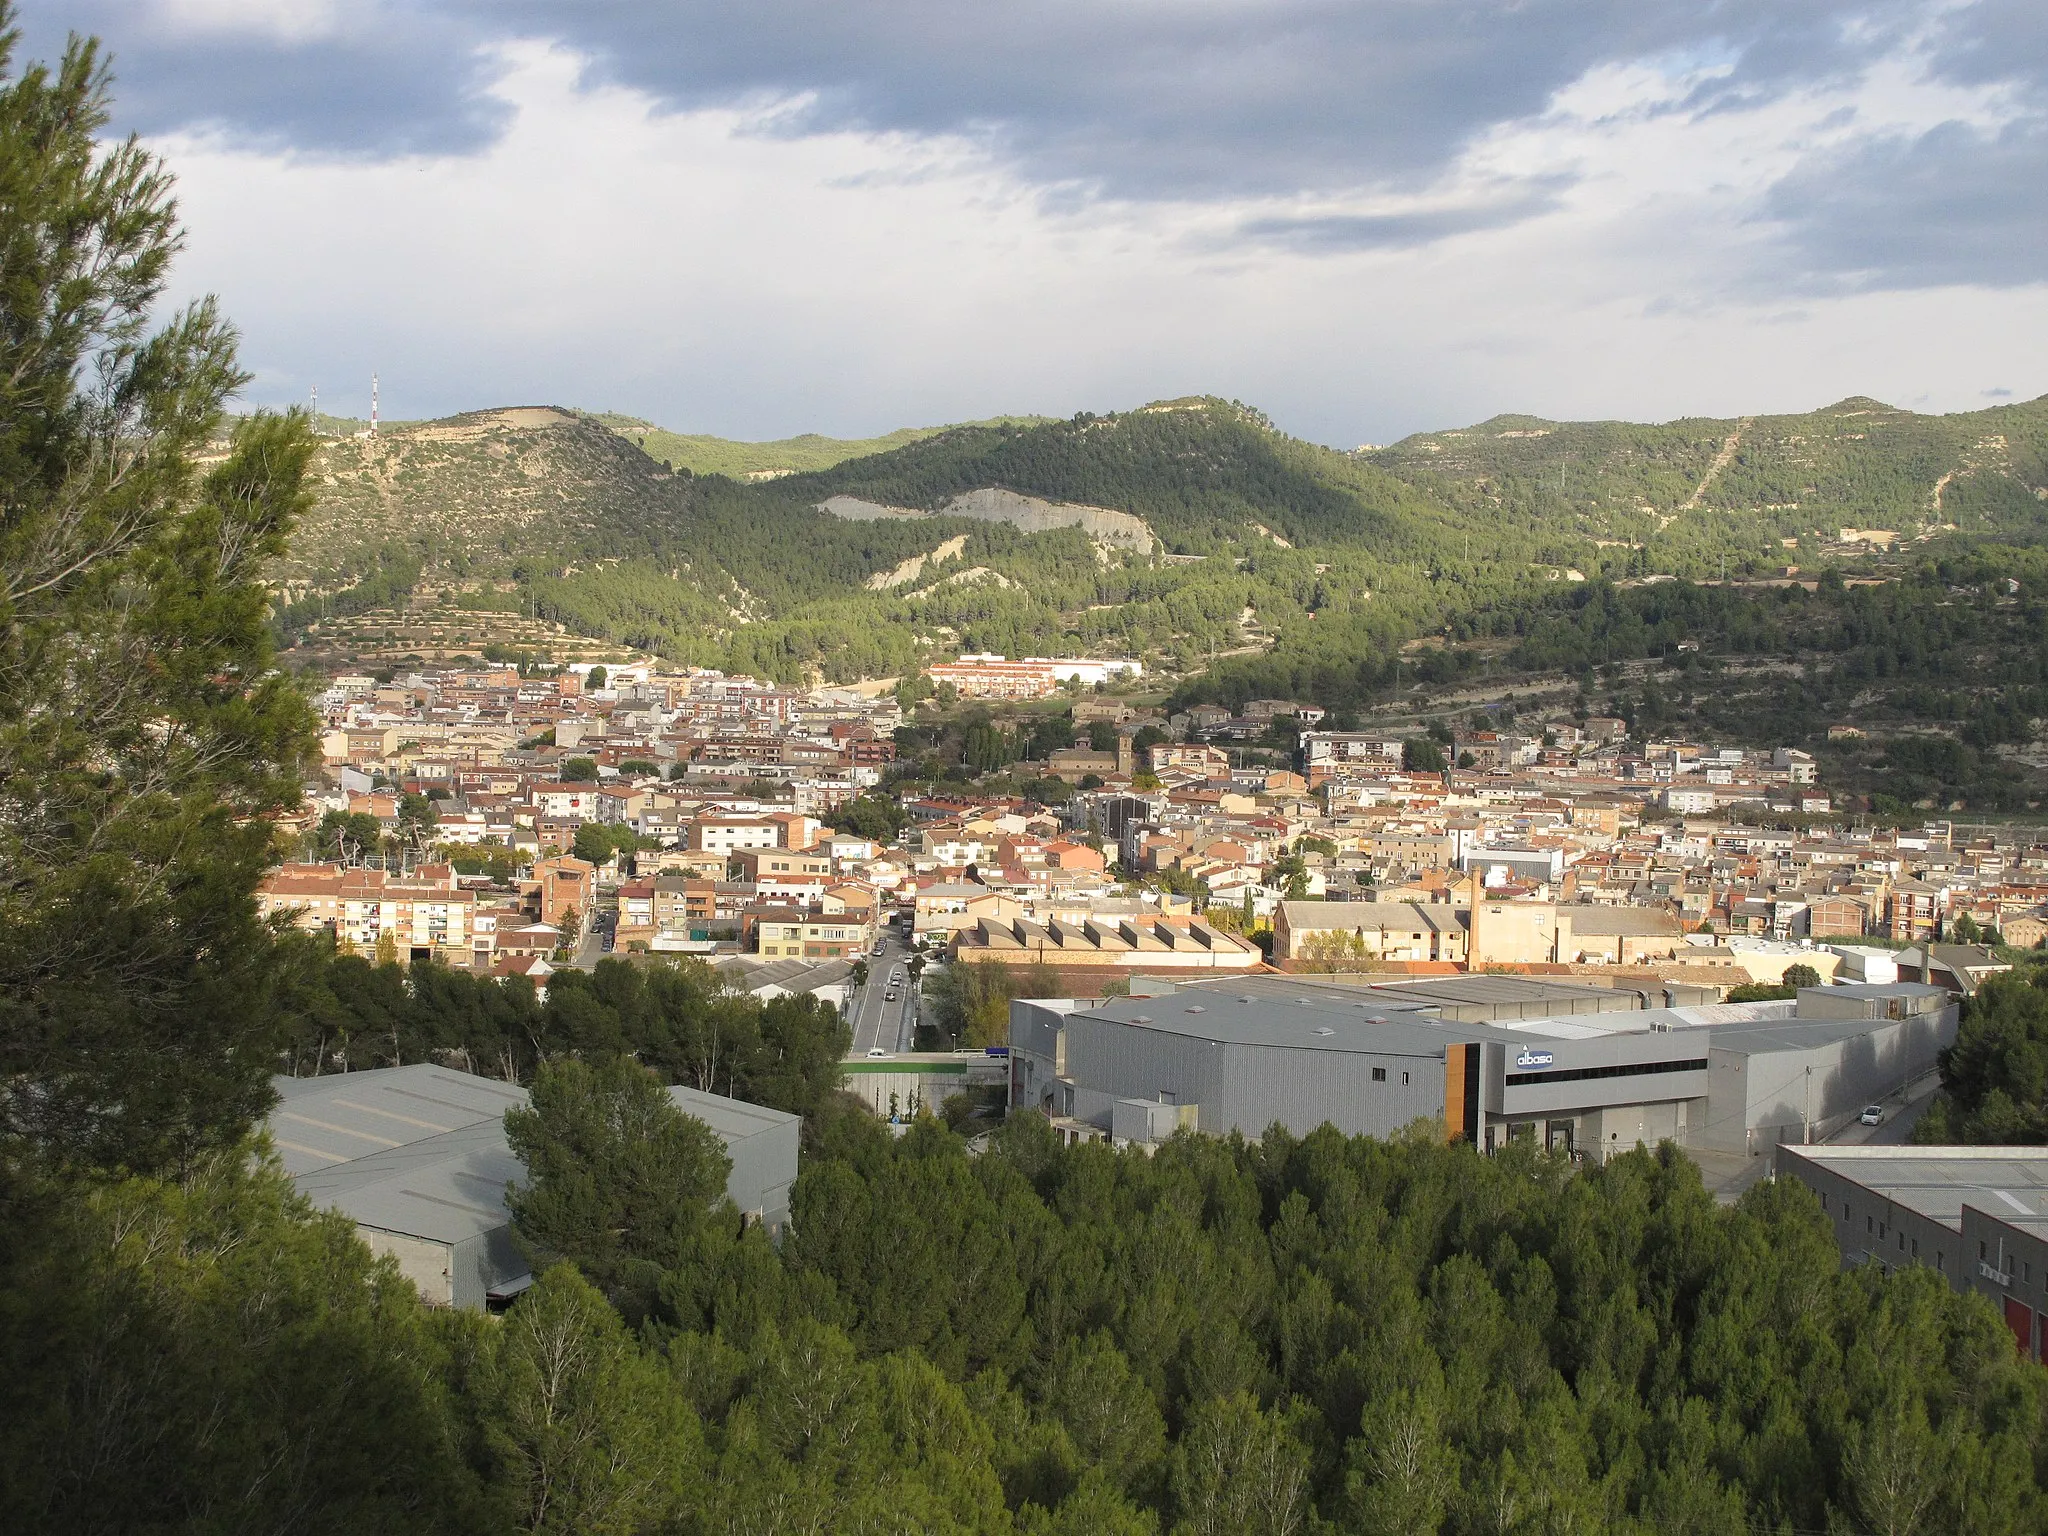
column 1762, row 1098
column 763, row 1169
column 427, row 1264
column 1868, row 1226
column 1248, row 1088
column 929, row 1085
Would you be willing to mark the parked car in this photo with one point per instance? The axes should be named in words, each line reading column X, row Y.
column 1873, row 1114
column 876, row 1050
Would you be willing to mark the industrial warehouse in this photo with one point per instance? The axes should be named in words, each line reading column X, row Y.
column 1978, row 1216
column 1587, row 1070
column 417, row 1158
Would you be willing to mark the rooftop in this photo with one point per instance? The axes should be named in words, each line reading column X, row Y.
column 421, row 1150
column 2010, row 1183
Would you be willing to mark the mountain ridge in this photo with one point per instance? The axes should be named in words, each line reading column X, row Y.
column 556, row 505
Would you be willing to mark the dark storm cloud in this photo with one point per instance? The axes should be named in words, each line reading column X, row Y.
column 1156, row 99
column 1953, row 205
column 1136, row 98
column 385, row 81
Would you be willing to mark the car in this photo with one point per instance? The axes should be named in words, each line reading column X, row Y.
column 876, row 1050
column 1873, row 1114
column 876, row 951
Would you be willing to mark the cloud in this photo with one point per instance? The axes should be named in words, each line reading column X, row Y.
column 1952, row 205
column 362, row 79
column 1368, row 216
column 1401, row 229
column 1128, row 98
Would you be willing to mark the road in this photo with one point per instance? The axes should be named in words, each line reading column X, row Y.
column 879, row 1024
column 1899, row 1120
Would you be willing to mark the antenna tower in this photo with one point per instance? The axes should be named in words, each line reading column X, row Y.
column 373, row 405
column 316, row 407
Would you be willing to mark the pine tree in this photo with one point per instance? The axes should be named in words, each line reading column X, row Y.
column 144, row 734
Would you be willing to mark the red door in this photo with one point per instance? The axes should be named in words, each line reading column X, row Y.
column 2019, row 1317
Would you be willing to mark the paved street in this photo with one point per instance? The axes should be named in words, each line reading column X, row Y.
column 879, row 1024
column 1900, row 1116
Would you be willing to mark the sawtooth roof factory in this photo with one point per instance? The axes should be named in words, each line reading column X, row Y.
column 1588, row 1070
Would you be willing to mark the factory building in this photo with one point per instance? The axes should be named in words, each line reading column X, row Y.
column 417, row 1158
column 1978, row 1216
column 1586, row 1070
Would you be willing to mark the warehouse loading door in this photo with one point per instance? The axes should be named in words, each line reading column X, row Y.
column 2019, row 1317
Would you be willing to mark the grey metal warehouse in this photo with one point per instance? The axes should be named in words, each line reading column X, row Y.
column 1978, row 1216
column 416, row 1157
column 1590, row 1070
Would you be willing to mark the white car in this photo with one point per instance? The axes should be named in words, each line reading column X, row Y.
column 876, row 1050
column 1873, row 1114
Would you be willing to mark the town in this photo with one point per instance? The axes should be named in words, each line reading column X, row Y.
column 1022, row 771
column 506, row 824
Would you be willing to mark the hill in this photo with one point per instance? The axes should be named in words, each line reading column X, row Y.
column 1690, row 489
column 1181, row 531
column 703, row 455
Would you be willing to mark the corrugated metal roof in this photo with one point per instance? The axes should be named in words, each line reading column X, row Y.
column 421, row 1150
column 2010, row 1183
column 323, row 1121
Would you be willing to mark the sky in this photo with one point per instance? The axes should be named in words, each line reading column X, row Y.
column 1367, row 218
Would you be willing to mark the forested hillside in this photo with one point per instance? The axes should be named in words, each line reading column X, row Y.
column 704, row 455
column 1692, row 491
column 1337, row 557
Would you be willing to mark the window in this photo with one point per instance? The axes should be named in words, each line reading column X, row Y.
column 1981, row 1252
column 1379, row 1074
column 1916, row 1247
column 1938, row 1264
column 1404, row 1078
column 1869, row 1224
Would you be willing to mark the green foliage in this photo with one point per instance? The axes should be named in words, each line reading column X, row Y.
column 969, row 1002
column 674, row 1017
column 1994, row 1078
column 145, row 737
column 1800, row 974
column 598, row 841
column 621, row 1181
column 703, row 455
column 211, row 1354
column 879, row 818
column 1421, row 755
column 588, row 1429
column 1761, row 992
column 579, row 770
column 349, row 837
